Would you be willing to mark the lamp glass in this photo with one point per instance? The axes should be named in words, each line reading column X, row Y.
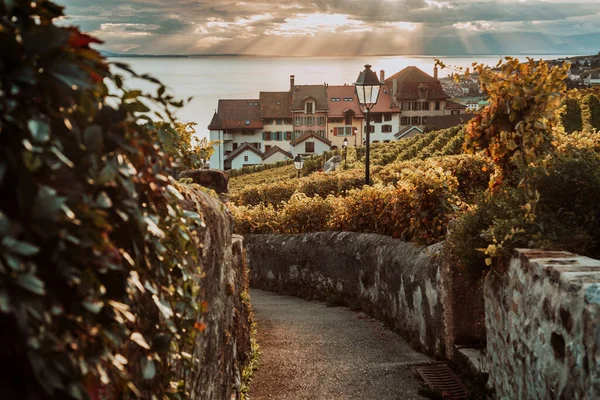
column 298, row 162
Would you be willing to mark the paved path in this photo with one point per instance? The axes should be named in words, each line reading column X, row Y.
column 311, row 351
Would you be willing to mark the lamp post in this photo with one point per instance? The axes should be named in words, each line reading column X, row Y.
column 367, row 90
column 298, row 164
column 345, row 147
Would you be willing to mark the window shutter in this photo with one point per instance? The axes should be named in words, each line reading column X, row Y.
column 335, row 131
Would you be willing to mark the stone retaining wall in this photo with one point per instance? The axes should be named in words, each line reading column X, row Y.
column 223, row 348
column 543, row 327
column 392, row 280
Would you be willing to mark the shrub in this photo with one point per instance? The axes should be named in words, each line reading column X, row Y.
column 571, row 118
column 96, row 250
column 594, row 107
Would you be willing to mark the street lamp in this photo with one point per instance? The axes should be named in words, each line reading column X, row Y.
column 298, row 164
column 367, row 90
column 345, row 147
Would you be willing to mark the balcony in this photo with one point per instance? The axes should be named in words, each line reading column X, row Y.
column 227, row 136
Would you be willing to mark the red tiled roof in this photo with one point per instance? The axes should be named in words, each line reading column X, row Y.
column 339, row 108
column 274, row 150
column 410, row 82
column 406, row 130
column 452, row 105
column 215, row 123
column 234, row 114
column 384, row 102
column 276, row 104
column 308, row 135
column 302, row 92
column 241, row 149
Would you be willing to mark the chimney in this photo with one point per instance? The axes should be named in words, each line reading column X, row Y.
column 435, row 72
column 382, row 76
column 395, row 87
column 292, row 79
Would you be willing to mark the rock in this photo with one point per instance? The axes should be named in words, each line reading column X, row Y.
column 210, row 178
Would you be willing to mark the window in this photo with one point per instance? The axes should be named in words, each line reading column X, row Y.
column 416, row 106
column 425, row 106
column 267, row 148
column 279, row 121
column 235, row 146
column 348, row 120
column 376, row 118
column 424, row 121
column 348, row 99
column 309, row 147
column 405, row 106
column 437, row 105
column 321, row 133
column 297, row 134
column 455, row 112
column 336, row 99
column 247, row 122
column 298, row 121
column 386, row 141
column 343, row 131
column 309, row 107
column 267, row 136
column 288, row 136
column 371, row 130
column 387, row 117
column 405, row 121
column 386, row 128
column 321, row 120
column 309, row 120
column 245, row 158
column 415, row 120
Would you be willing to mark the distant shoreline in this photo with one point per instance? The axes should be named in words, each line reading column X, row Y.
column 112, row 55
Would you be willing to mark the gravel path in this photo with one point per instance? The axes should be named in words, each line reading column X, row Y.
column 311, row 351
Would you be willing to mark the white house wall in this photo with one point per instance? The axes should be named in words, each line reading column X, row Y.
column 275, row 158
column 218, row 158
column 253, row 159
column 320, row 147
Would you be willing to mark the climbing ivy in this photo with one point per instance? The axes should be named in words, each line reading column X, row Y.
column 97, row 256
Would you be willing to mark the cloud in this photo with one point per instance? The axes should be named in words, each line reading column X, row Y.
column 319, row 27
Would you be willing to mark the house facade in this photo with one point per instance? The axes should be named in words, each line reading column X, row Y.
column 276, row 115
column 309, row 109
column 235, row 123
column 344, row 118
column 419, row 96
column 310, row 144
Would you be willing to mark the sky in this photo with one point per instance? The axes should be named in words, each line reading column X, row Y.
column 340, row 27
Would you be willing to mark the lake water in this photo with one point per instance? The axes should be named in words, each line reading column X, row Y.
column 208, row 79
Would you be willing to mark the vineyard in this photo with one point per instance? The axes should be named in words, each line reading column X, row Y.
column 424, row 184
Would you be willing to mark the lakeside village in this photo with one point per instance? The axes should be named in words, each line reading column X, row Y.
column 312, row 119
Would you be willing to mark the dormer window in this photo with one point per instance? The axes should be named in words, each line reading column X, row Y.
column 247, row 122
column 423, row 91
column 310, row 107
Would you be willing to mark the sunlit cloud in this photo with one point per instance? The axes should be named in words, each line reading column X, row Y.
column 328, row 27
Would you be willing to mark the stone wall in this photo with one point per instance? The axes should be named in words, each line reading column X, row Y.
column 392, row 280
column 543, row 327
column 223, row 347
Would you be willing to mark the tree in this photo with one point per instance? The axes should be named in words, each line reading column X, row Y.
column 194, row 152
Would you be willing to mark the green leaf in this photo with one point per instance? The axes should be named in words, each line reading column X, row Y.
column 40, row 130
column 4, row 224
column 4, row 303
column 163, row 306
column 47, row 203
column 62, row 157
column 149, row 369
column 138, row 338
column 103, row 201
column 22, row 248
column 92, row 138
column 93, row 307
column 31, row 283
column 108, row 173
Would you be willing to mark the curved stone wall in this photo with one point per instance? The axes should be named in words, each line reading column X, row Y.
column 394, row 281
